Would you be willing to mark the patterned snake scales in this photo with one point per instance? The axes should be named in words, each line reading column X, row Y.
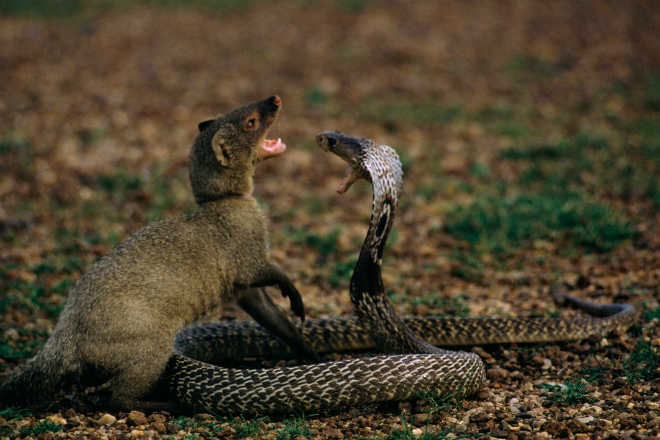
column 397, row 376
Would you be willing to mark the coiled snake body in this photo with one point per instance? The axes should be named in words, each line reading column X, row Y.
column 414, row 365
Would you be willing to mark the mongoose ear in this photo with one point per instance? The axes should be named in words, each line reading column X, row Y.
column 221, row 149
column 204, row 124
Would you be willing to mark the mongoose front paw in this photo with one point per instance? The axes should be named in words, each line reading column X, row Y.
column 294, row 296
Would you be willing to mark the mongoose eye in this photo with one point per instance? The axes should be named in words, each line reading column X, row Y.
column 251, row 123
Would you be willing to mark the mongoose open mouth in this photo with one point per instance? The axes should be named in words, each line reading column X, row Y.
column 271, row 148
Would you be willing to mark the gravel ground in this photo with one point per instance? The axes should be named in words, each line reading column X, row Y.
column 98, row 110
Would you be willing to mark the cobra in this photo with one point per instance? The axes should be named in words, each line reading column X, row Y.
column 413, row 365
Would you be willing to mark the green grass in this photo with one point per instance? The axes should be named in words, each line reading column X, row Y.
column 502, row 225
column 42, row 427
column 424, row 113
column 294, row 428
column 652, row 92
column 342, row 272
column 74, row 8
column 23, row 349
column 323, row 244
column 573, row 392
column 316, row 97
column 454, row 306
column 41, row 8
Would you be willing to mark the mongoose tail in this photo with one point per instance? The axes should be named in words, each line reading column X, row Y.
column 41, row 377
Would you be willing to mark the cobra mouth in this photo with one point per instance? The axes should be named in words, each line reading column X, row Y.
column 271, row 148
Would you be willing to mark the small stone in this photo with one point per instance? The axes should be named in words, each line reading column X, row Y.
column 107, row 419
column 460, row 428
column 137, row 433
column 56, row 419
column 333, row 433
column 417, row 432
column 547, row 364
column 420, row 419
column 514, row 409
column 513, row 401
column 586, row 420
column 581, row 436
column 497, row 374
column 421, row 310
column 364, row 422
column 136, row 418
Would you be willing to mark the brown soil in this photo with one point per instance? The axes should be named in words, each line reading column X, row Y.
column 98, row 112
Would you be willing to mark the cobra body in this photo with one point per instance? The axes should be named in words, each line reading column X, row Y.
column 399, row 375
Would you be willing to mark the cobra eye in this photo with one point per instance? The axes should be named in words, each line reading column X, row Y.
column 332, row 142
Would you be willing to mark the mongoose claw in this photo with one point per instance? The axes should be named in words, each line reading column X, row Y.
column 297, row 306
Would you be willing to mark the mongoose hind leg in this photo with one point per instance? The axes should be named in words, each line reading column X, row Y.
column 261, row 307
column 132, row 386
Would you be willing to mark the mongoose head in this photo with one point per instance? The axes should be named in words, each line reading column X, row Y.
column 227, row 149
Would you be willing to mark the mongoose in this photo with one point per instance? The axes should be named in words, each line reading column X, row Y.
column 123, row 313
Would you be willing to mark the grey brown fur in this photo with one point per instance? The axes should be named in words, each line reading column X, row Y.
column 122, row 315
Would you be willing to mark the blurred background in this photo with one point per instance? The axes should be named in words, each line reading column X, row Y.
column 529, row 134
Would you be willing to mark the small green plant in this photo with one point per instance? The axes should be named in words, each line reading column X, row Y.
column 573, row 392
column 642, row 364
column 24, row 348
column 652, row 92
column 501, row 225
column 42, row 427
column 342, row 272
column 11, row 414
column 406, row 433
column 649, row 313
column 453, row 306
column 316, row 97
column 247, row 428
column 40, row 8
column 428, row 112
column 294, row 428
column 324, row 244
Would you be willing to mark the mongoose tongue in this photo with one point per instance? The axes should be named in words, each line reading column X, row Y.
column 271, row 148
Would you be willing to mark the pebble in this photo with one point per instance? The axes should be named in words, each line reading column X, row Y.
column 56, row 419
column 107, row 419
column 460, row 428
column 585, row 420
column 417, row 432
column 333, row 433
column 136, row 418
column 420, row 419
column 497, row 374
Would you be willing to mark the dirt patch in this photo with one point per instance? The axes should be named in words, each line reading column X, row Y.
column 492, row 106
